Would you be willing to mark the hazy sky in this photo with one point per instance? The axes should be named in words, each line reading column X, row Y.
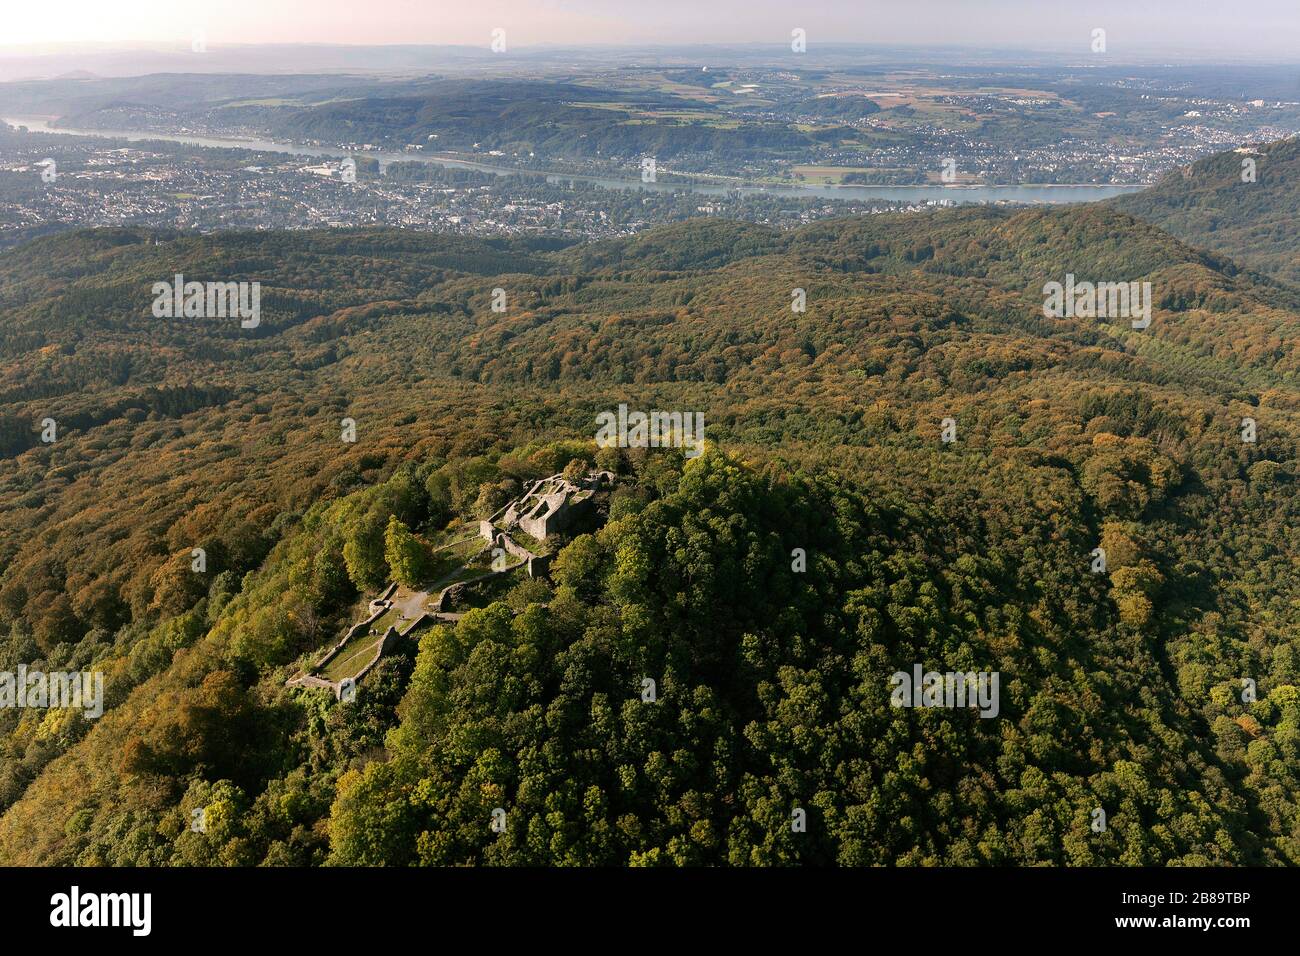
column 1242, row 27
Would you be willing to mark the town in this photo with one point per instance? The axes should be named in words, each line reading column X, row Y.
column 102, row 182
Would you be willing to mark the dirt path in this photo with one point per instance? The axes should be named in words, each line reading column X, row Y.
column 413, row 606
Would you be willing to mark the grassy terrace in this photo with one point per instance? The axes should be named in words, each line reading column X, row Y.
column 447, row 558
column 354, row 656
column 466, row 574
column 357, row 652
column 491, row 588
column 525, row 540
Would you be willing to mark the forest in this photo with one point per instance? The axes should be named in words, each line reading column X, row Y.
column 1243, row 204
column 827, row 538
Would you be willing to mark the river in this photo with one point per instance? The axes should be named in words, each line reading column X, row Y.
column 1027, row 193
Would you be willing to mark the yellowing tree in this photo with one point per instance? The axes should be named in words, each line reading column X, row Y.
column 406, row 556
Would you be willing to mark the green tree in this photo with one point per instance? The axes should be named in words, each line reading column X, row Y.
column 407, row 557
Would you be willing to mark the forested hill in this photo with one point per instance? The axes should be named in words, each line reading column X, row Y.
column 1244, row 204
column 1120, row 691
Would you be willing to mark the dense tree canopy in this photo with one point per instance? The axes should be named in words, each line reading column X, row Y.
column 769, row 588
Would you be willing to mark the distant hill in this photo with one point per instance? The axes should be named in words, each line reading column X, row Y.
column 840, row 107
column 76, row 101
column 1209, row 205
column 556, row 119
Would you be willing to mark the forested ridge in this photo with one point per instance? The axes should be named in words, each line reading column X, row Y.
column 554, row 119
column 1120, row 690
column 1244, row 203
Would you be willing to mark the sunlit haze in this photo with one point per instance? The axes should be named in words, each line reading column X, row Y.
column 1268, row 27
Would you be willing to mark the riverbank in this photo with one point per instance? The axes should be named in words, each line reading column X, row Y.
column 1024, row 193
